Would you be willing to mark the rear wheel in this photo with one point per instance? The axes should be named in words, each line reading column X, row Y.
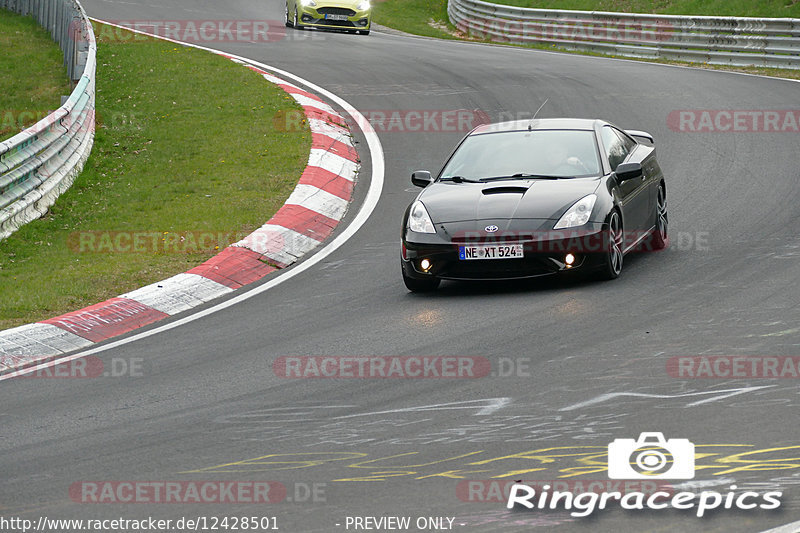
column 420, row 285
column 612, row 260
column 661, row 236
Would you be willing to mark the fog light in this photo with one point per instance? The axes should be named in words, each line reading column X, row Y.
column 425, row 265
column 569, row 260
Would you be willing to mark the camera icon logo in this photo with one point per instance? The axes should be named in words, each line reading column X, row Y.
column 651, row 457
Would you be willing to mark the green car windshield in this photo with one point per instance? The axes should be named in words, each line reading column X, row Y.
column 538, row 153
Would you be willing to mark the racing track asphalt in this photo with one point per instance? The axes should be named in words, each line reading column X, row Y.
column 207, row 394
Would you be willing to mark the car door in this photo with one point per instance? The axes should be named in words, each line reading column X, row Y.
column 633, row 197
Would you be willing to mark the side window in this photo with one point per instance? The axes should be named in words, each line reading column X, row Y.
column 616, row 151
column 629, row 143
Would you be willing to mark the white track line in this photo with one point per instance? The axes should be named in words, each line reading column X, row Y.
column 367, row 208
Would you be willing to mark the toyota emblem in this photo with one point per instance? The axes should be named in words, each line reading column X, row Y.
column 491, row 229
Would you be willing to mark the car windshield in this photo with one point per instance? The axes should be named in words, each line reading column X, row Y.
column 538, row 153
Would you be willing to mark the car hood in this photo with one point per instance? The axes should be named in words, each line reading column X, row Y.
column 449, row 202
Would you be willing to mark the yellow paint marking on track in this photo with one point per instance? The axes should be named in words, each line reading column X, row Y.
column 717, row 459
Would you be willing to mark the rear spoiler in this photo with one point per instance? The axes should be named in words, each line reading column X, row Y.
column 641, row 135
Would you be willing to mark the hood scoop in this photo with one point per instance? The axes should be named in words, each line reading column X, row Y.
column 505, row 190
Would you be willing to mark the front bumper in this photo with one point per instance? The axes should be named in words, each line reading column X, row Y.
column 320, row 17
column 544, row 254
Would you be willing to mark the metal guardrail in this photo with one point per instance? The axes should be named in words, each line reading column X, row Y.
column 41, row 162
column 761, row 42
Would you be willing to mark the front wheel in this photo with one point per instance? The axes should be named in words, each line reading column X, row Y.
column 420, row 285
column 363, row 32
column 612, row 256
column 660, row 237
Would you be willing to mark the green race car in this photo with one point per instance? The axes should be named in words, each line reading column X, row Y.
column 352, row 15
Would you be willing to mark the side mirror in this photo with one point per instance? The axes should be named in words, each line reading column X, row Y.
column 629, row 171
column 421, row 178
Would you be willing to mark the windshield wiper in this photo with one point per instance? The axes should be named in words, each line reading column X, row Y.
column 523, row 175
column 460, row 179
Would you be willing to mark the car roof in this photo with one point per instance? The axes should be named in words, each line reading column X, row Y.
column 539, row 124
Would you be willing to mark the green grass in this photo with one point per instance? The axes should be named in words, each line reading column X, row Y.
column 732, row 8
column 429, row 18
column 185, row 142
column 33, row 75
column 420, row 17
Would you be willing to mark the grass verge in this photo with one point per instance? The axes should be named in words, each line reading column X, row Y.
column 185, row 142
column 34, row 76
column 429, row 18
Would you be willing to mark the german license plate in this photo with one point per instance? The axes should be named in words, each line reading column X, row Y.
column 490, row 251
column 335, row 17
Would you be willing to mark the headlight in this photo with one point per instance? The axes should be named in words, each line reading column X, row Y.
column 308, row 3
column 419, row 220
column 578, row 214
column 363, row 6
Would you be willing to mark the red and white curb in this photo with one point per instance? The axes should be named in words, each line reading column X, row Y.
column 307, row 218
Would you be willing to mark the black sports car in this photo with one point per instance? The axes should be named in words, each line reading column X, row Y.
column 530, row 198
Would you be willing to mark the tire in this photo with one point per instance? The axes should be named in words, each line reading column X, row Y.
column 296, row 23
column 420, row 285
column 661, row 233
column 363, row 32
column 612, row 256
column 288, row 22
